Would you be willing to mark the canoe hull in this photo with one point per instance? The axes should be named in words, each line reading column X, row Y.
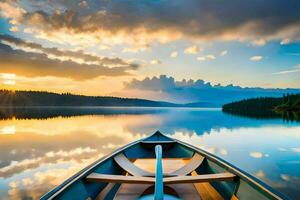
column 244, row 186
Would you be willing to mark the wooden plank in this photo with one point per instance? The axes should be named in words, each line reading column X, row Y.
column 234, row 197
column 105, row 191
column 128, row 166
column 95, row 177
column 168, row 164
column 130, row 191
column 193, row 164
column 186, row 191
column 200, row 178
column 134, row 191
column 266, row 192
column 207, row 191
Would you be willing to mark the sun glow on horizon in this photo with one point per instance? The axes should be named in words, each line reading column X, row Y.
column 8, row 78
column 8, row 130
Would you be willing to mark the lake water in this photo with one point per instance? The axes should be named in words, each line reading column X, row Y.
column 39, row 148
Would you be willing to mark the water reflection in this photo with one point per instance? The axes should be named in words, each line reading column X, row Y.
column 52, row 112
column 267, row 114
column 40, row 152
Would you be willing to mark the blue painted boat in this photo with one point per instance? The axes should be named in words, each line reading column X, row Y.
column 159, row 167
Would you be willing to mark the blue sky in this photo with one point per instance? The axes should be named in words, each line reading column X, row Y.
column 83, row 46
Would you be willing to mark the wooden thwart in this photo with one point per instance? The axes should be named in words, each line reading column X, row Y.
column 193, row 164
column 132, row 169
column 95, row 177
column 200, row 178
column 128, row 166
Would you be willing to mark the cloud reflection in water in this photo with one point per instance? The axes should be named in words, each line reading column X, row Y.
column 44, row 152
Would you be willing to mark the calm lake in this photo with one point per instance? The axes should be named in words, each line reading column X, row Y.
column 39, row 148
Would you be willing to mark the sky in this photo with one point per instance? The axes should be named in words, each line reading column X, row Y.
column 105, row 47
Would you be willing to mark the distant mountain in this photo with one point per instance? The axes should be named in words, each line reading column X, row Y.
column 186, row 91
column 200, row 105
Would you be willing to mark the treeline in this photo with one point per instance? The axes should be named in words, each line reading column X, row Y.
column 37, row 98
column 290, row 103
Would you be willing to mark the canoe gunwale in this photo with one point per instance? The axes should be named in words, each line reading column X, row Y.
column 259, row 185
column 84, row 172
column 238, row 172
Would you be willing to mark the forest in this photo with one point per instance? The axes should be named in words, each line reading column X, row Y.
column 286, row 103
column 10, row 98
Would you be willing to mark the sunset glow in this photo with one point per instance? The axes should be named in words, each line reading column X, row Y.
column 8, row 79
column 83, row 46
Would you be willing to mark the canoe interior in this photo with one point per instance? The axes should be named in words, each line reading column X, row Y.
column 243, row 186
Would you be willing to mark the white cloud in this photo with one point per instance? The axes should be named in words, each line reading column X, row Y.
column 260, row 174
column 256, row 58
column 11, row 11
column 285, row 177
column 104, row 47
column 192, row 50
column 256, row 154
column 223, row 151
column 259, row 42
column 223, row 53
column 296, row 149
column 285, row 41
column 8, row 79
column 174, row 54
column 210, row 57
column 288, row 71
column 294, row 70
column 155, row 62
column 201, row 58
column 136, row 49
column 207, row 57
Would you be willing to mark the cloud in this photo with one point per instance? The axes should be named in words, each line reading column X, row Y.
column 16, row 167
column 137, row 49
column 294, row 70
column 174, row 54
column 256, row 154
column 210, row 57
column 34, row 64
column 256, row 58
column 186, row 91
column 223, row 151
column 8, row 79
column 32, row 60
column 192, row 50
column 297, row 150
column 201, row 58
column 223, row 53
column 285, row 41
column 259, row 42
column 11, row 10
column 155, row 62
column 288, row 71
column 147, row 21
column 207, row 57
column 75, row 56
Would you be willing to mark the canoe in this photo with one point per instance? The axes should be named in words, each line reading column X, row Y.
column 159, row 167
